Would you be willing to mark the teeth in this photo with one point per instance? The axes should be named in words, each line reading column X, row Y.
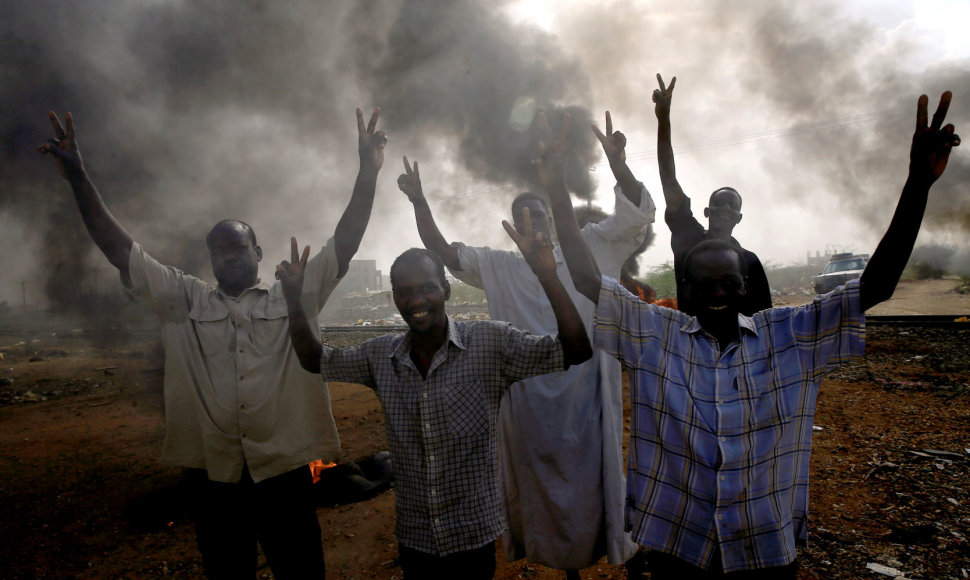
column 718, row 307
column 419, row 314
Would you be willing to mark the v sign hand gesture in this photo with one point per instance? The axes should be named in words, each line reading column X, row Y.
column 290, row 274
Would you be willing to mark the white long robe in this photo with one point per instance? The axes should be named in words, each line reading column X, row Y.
column 560, row 435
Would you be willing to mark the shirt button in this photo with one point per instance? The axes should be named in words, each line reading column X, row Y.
column 431, row 458
column 242, row 406
column 243, row 435
column 722, row 438
column 719, row 401
column 434, row 492
column 720, row 516
column 427, row 426
column 424, row 394
column 723, row 478
column 437, row 521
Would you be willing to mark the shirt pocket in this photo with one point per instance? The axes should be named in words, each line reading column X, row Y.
column 465, row 409
column 212, row 328
column 271, row 331
column 770, row 398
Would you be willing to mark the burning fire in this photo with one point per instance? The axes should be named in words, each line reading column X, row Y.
column 317, row 467
column 646, row 293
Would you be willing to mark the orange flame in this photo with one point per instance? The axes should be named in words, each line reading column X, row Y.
column 317, row 467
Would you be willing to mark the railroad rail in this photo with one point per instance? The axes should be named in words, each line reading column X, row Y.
column 925, row 320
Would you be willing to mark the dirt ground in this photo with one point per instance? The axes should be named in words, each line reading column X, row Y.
column 83, row 494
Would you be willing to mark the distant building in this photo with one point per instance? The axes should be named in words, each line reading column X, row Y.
column 362, row 277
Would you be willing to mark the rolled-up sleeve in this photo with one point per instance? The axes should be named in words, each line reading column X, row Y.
column 347, row 365
column 470, row 259
column 527, row 355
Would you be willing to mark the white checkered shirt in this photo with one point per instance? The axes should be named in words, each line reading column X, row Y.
column 441, row 429
column 720, row 441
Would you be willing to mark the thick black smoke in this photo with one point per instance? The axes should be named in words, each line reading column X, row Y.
column 190, row 112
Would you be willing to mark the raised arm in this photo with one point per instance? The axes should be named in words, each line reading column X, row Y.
column 928, row 156
column 410, row 183
column 350, row 229
column 582, row 267
column 113, row 240
column 614, row 146
column 306, row 341
column 537, row 252
column 674, row 195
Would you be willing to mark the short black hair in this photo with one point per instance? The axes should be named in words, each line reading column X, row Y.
column 413, row 254
column 249, row 228
column 524, row 198
column 716, row 244
column 725, row 188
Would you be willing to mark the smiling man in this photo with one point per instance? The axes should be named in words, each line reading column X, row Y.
column 560, row 435
column 721, row 427
column 440, row 386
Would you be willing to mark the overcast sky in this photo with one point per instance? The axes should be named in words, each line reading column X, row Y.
column 189, row 112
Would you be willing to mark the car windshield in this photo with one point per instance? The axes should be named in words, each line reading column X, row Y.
column 844, row 266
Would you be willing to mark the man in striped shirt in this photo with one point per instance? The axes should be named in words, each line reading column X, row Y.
column 440, row 386
column 722, row 402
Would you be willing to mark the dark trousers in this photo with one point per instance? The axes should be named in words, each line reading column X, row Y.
column 279, row 513
column 477, row 564
column 667, row 567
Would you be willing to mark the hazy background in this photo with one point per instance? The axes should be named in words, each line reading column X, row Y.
column 189, row 112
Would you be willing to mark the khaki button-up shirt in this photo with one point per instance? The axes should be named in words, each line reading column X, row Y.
column 235, row 392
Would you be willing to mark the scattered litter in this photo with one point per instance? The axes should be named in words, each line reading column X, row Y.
column 816, row 428
column 943, row 454
column 884, row 570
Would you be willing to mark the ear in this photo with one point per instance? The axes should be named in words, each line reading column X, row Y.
column 447, row 288
column 707, row 212
column 259, row 253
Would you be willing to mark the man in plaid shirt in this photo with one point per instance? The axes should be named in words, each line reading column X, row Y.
column 723, row 403
column 440, row 386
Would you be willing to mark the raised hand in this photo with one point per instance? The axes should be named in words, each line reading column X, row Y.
column 64, row 147
column 410, row 182
column 370, row 143
column 549, row 155
column 534, row 246
column 614, row 143
column 290, row 274
column 932, row 144
column 662, row 97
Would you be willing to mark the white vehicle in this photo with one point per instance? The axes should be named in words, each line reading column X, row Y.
column 840, row 269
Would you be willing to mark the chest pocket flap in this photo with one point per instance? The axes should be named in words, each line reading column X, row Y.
column 211, row 322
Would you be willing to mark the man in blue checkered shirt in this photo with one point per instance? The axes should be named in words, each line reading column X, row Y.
column 722, row 403
column 440, row 386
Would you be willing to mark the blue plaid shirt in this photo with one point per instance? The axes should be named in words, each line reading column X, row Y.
column 720, row 440
column 441, row 429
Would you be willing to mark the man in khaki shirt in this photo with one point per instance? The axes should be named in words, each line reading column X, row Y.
column 241, row 413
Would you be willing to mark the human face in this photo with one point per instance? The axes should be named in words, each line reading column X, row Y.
column 715, row 287
column 541, row 222
column 235, row 260
column 420, row 296
column 723, row 212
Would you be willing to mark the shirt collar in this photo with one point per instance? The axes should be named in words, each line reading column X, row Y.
column 259, row 286
column 745, row 323
column 404, row 347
